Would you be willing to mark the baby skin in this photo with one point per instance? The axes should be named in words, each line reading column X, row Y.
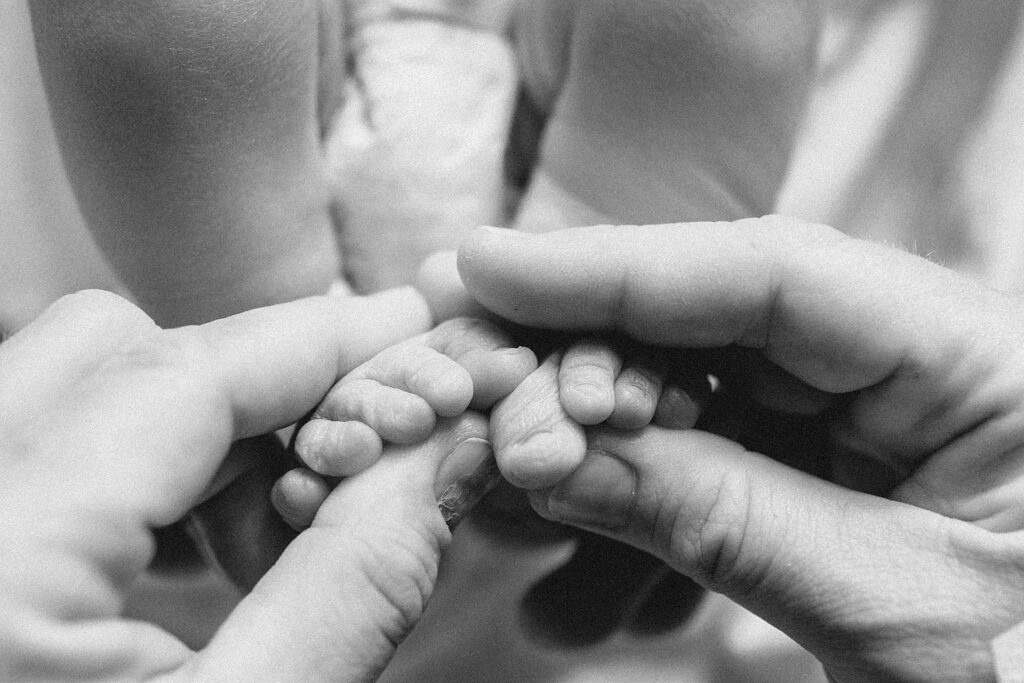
column 538, row 433
column 469, row 363
column 396, row 397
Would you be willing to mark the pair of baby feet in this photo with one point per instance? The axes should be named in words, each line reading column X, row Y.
column 538, row 410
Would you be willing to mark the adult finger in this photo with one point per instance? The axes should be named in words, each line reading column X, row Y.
column 821, row 306
column 276, row 363
column 348, row 589
column 827, row 565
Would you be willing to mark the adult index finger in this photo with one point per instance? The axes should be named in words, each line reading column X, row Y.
column 276, row 363
column 838, row 313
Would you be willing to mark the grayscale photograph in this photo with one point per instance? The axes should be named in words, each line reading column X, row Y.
column 512, row 341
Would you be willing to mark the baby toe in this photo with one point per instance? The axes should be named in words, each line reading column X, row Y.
column 536, row 443
column 337, row 449
column 395, row 414
column 442, row 383
column 488, row 354
column 297, row 496
column 586, row 381
column 636, row 398
column 497, row 373
column 677, row 408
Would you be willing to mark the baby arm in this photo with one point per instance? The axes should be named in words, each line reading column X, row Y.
column 191, row 133
column 396, row 397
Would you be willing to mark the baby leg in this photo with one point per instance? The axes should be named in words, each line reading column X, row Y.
column 191, row 134
column 663, row 111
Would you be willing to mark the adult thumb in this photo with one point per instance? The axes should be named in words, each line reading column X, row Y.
column 833, row 568
column 347, row 590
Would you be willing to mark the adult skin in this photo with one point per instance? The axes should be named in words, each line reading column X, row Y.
column 111, row 426
column 905, row 363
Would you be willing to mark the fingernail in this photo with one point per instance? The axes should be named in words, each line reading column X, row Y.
column 599, row 493
column 466, row 475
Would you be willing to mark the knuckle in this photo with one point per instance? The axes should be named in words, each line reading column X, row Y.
column 345, row 399
column 404, row 419
column 413, row 365
column 398, row 566
column 430, row 369
column 169, row 352
column 710, row 543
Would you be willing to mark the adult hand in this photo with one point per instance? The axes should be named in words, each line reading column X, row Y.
column 904, row 362
column 112, row 426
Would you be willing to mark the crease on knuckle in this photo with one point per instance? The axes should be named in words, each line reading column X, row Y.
column 400, row 566
column 345, row 401
column 711, row 548
column 428, row 371
column 173, row 358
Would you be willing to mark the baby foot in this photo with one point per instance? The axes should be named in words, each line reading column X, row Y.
column 537, row 431
column 396, row 397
